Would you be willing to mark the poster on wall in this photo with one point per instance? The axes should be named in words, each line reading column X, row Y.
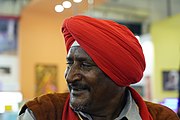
column 8, row 35
column 170, row 80
column 46, row 78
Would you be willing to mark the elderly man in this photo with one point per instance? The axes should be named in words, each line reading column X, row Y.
column 103, row 59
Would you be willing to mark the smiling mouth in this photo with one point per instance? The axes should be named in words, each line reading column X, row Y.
column 78, row 90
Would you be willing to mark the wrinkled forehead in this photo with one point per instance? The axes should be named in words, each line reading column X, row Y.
column 73, row 47
column 76, row 51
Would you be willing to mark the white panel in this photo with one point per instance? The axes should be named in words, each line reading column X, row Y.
column 9, row 73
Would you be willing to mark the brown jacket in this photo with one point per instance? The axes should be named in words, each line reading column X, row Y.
column 50, row 107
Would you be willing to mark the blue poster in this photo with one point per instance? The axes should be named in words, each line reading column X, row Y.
column 8, row 36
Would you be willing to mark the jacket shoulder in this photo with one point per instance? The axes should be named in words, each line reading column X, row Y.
column 160, row 112
column 47, row 106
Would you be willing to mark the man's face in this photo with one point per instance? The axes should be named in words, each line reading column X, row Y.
column 90, row 89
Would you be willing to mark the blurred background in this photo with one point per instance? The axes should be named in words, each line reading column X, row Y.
column 32, row 51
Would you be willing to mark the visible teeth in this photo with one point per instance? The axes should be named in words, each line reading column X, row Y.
column 78, row 89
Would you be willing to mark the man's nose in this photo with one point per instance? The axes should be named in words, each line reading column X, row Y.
column 73, row 74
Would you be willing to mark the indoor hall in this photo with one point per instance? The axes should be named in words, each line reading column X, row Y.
column 33, row 54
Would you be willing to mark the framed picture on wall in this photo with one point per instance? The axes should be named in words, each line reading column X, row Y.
column 46, row 78
column 170, row 80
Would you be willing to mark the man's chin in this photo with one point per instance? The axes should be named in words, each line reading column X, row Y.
column 78, row 105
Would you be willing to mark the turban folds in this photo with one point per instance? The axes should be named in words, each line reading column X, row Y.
column 112, row 46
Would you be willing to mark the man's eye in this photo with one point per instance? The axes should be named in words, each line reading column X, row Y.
column 69, row 63
column 84, row 64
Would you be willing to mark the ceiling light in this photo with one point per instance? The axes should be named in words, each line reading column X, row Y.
column 66, row 4
column 59, row 8
column 77, row 1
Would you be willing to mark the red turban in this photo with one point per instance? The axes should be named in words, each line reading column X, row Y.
column 112, row 46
